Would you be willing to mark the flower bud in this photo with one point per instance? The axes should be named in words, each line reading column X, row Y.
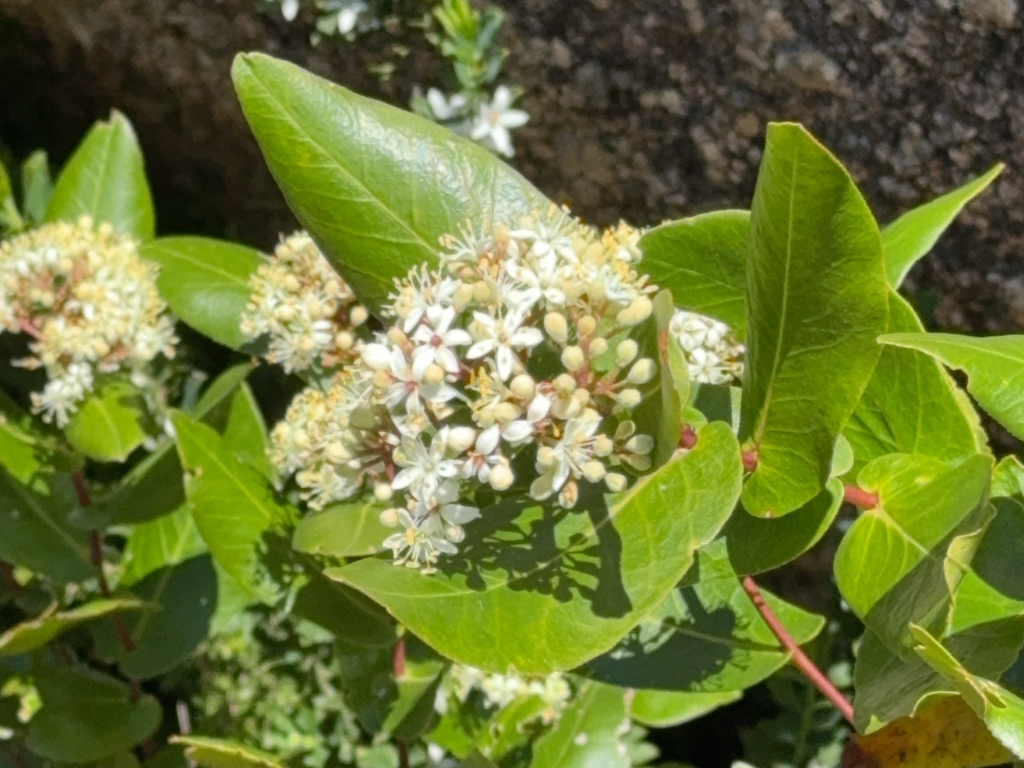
column 586, row 326
column 573, row 358
column 565, row 385
column 569, row 495
column 501, row 477
column 481, row 292
column 291, row 283
column 625, row 430
column 434, row 374
column 358, row 315
column 460, row 439
column 344, row 341
column 556, row 327
column 615, row 481
column 505, row 412
column 523, row 387
column 642, row 307
column 397, row 336
column 626, row 317
column 389, row 517
column 594, row 471
column 642, row 372
column 545, row 456
column 337, row 452
column 640, row 444
column 454, row 533
column 463, row 295
column 629, row 398
column 626, row 352
column 383, row 492
column 603, row 446
column 598, row 347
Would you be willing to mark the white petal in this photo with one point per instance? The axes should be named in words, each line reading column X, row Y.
column 517, row 431
column 539, row 408
column 459, row 513
column 504, row 360
column 479, row 349
column 515, row 118
column 488, row 440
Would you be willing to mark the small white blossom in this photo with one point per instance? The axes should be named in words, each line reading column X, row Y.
column 713, row 354
column 494, row 120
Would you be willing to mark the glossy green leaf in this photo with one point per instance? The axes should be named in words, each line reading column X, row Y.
column 110, row 423
column 106, row 179
column 588, row 732
column 658, row 414
column 218, row 753
column 206, row 283
column 758, row 544
column 36, row 530
column 36, row 185
column 87, row 715
column 376, row 186
column 994, row 368
column 245, row 433
column 817, row 300
column 544, row 590
column 342, row 530
column 10, row 218
column 665, row 709
column 885, row 566
column 153, row 487
column 22, row 446
column 231, row 503
column 911, row 405
column 706, row 638
column 913, row 234
column 35, row 633
column 168, row 540
column 702, row 260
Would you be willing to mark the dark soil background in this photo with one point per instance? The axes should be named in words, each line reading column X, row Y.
column 641, row 109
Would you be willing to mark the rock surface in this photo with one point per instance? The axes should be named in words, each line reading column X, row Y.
column 642, row 109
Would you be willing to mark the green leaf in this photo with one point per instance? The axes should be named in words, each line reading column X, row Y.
column 87, row 716
column 911, row 405
column 542, row 590
column 109, row 424
column 218, row 753
column 587, row 734
column 153, row 544
column 231, row 503
column 342, row 530
column 206, row 283
column 758, row 544
column 36, row 532
column 702, row 260
column 376, row 186
column 22, row 447
column 706, row 638
column 36, row 185
column 245, row 433
column 922, row 502
column 10, row 218
column 106, row 179
column 994, row 368
column 817, row 300
column 35, row 633
column 658, row 414
column 666, row 709
column 913, row 234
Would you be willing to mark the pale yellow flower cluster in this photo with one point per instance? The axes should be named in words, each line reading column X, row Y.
column 89, row 304
column 307, row 312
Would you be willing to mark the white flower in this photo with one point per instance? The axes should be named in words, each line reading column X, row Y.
column 436, row 341
column 712, row 352
column 446, row 107
column 567, row 456
column 502, row 336
column 289, row 9
column 494, row 120
column 416, row 546
column 424, row 469
column 521, row 430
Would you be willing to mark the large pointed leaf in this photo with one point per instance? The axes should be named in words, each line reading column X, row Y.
column 588, row 732
column 232, row 504
column 88, row 716
column 206, row 283
column 817, row 300
column 32, row 634
column 106, row 179
column 994, row 368
column 36, row 185
column 217, row 753
column 912, row 405
column 885, row 567
column 706, row 638
column 374, row 185
column 664, row 709
column 544, row 590
column 914, row 233
column 36, row 530
column 702, row 260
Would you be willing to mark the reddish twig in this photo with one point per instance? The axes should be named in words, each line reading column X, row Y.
column 81, row 489
column 859, row 497
column 398, row 658
column 7, row 577
column 797, row 657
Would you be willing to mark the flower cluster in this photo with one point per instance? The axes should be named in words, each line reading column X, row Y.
column 89, row 304
column 521, row 344
column 307, row 311
column 499, row 691
column 713, row 353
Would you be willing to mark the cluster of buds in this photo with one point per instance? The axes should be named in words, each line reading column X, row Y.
column 499, row 691
column 308, row 313
column 520, row 343
column 713, row 353
column 89, row 304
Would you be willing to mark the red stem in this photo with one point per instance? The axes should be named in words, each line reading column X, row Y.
column 797, row 657
column 859, row 497
column 81, row 489
column 398, row 658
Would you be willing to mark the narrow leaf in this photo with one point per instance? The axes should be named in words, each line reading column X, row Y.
column 913, row 234
column 376, row 186
column 35, row 633
column 666, row 709
column 106, row 179
column 218, row 753
column 36, row 185
column 816, row 301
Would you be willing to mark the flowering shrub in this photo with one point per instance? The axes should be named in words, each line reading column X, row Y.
column 514, row 510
